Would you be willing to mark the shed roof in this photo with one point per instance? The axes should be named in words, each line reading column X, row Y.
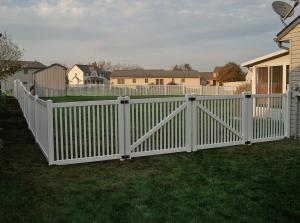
column 264, row 58
column 52, row 65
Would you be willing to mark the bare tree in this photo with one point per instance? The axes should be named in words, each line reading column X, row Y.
column 10, row 53
column 182, row 67
column 108, row 66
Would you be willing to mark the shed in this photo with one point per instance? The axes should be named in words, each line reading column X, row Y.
column 50, row 81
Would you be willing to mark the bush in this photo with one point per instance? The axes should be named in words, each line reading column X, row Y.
column 244, row 87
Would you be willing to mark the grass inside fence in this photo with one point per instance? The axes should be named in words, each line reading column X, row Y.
column 99, row 98
column 258, row 183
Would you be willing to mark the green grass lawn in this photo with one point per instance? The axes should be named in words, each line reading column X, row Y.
column 100, row 98
column 258, row 183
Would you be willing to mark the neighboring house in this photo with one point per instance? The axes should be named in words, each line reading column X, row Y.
column 51, row 81
column 275, row 72
column 270, row 73
column 212, row 81
column 158, row 77
column 87, row 74
column 24, row 75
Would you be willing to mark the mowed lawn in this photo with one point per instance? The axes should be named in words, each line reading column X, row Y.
column 100, row 98
column 258, row 183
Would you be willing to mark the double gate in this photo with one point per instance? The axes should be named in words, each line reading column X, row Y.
column 159, row 126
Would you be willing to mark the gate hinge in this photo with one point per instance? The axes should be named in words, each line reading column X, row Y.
column 247, row 142
column 124, row 102
column 126, row 157
column 192, row 99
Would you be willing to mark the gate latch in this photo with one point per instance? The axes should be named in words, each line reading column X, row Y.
column 192, row 99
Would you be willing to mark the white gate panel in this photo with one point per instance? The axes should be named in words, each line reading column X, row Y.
column 218, row 122
column 157, row 126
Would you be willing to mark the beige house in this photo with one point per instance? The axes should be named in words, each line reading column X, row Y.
column 24, row 75
column 159, row 77
column 279, row 71
column 270, row 73
column 87, row 74
column 289, row 38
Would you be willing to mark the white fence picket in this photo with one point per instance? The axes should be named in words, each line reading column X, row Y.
column 88, row 131
column 144, row 90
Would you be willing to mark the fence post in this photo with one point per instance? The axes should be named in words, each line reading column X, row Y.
column 124, row 127
column 287, row 110
column 50, row 132
column 35, row 118
column 189, row 122
column 247, row 118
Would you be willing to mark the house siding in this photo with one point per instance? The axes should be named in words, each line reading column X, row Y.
column 25, row 78
column 193, row 82
column 50, row 82
column 294, row 38
column 71, row 75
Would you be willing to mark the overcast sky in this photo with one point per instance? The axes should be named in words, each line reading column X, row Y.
column 152, row 33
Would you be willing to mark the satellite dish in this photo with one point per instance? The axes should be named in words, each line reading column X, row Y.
column 283, row 9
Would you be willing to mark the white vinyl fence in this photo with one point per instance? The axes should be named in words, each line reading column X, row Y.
column 144, row 90
column 87, row 131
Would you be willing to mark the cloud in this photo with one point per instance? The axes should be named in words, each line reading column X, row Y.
column 154, row 33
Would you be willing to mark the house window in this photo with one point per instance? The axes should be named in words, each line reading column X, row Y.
column 276, row 81
column 134, row 80
column 146, row 80
column 183, row 80
column 159, row 81
column 262, row 80
column 121, row 81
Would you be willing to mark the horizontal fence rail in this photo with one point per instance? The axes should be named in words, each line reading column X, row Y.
column 88, row 131
column 144, row 90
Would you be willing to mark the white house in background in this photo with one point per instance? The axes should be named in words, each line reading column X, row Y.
column 25, row 75
column 87, row 74
column 270, row 73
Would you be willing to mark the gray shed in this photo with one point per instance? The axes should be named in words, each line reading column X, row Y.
column 50, row 81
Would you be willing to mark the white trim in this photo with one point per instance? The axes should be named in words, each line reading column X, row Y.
column 263, row 58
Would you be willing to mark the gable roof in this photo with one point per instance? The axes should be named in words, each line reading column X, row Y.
column 288, row 28
column 217, row 68
column 88, row 69
column 264, row 58
column 160, row 74
column 31, row 64
column 52, row 65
